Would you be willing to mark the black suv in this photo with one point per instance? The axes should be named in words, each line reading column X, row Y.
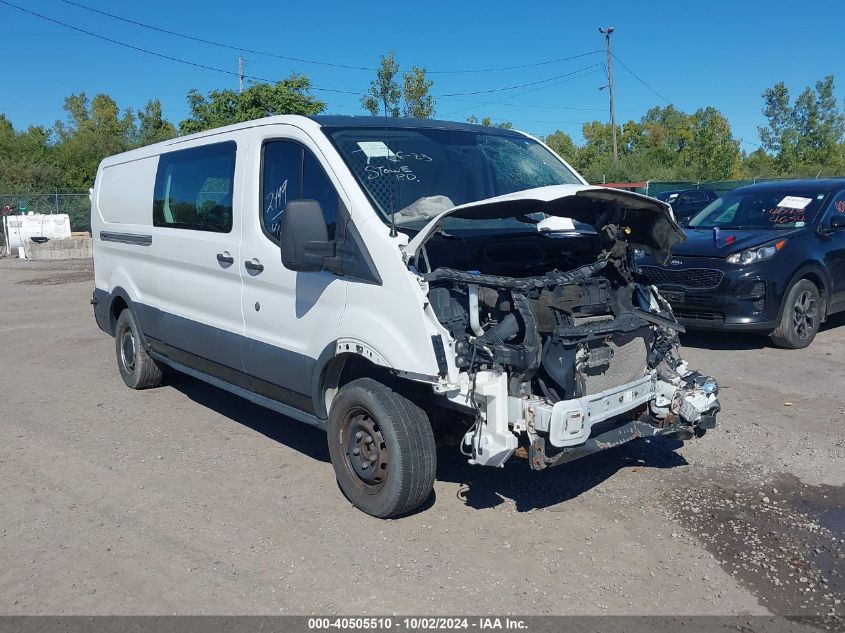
column 686, row 203
column 768, row 257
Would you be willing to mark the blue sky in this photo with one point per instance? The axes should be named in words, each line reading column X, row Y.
column 721, row 54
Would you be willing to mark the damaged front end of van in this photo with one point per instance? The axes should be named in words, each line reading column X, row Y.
column 548, row 341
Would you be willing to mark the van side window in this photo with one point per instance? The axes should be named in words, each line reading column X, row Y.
column 281, row 181
column 193, row 188
column 291, row 172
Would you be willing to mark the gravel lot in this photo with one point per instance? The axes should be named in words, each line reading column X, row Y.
column 185, row 499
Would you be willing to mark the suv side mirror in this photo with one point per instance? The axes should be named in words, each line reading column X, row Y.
column 837, row 222
column 303, row 238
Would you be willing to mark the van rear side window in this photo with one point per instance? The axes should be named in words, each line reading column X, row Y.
column 193, row 188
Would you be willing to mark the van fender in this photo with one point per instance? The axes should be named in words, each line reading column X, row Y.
column 333, row 358
column 330, row 363
column 120, row 293
column 348, row 345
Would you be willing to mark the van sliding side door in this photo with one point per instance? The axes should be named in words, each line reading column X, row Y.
column 197, row 319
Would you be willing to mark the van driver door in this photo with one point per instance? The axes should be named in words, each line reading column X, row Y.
column 290, row 317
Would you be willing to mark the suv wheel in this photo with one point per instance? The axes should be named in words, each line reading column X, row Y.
column 137, row 368
column 801, row 316
column 382, row 449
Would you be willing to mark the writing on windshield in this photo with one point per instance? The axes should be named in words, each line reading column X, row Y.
column 416, row 173
column 760, row 209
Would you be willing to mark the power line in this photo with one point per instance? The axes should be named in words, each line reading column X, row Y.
column 547, row 106
column 520, row 67
column 263, row 79
column 314, row 61
column 525, row 85
column 212, row 43
column 573, row 75
column 163, row 55
column 641, row 80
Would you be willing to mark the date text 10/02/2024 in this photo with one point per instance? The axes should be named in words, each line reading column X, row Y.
column 417, row 623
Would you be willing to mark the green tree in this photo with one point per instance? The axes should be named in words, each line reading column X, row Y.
column 820, row 125
column 666, row 135
column 384, row 95
column 26, row 159
column 418, row 101
column 505, row 125
column 152, row 126
column 7, row 133
column 780, row 137
column 563, row 145
column 713, row 153
column 594, row 159
column 758, row 164
column 92, row 130
column 807, row 136
column 225, row 107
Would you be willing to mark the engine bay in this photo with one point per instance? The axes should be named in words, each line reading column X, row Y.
column 562, row 314
column 552, row 335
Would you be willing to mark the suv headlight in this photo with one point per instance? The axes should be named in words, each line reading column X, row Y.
column 756, row 254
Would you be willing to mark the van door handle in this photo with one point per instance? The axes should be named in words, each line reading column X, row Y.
column 255, row 267
column 224, row 259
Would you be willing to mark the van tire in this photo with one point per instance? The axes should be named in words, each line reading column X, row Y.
column 800, row 318
column 393, row 470
column 137, row 368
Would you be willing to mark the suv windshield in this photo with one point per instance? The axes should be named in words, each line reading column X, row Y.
column 785, row 208
column 419, row 172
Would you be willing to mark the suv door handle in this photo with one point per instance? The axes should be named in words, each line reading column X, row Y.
column 254, row 267
column 224, row 259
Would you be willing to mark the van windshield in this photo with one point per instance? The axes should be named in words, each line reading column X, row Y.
column 418, row 172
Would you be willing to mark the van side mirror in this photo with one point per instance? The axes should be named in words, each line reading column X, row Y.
column 837, row 222
column 303, row 237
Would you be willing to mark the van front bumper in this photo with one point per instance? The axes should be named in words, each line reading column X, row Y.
column 656, row 404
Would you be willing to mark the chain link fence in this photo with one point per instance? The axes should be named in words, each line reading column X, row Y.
column 76, row 204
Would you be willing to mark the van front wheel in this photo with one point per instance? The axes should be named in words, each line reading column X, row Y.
column 382, row 449
column 137, row 368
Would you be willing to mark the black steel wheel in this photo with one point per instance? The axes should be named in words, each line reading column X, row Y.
column 365, row 449
column 137, row 368
column 382, row 448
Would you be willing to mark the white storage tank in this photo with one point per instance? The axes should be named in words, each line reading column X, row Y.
column 19, row 228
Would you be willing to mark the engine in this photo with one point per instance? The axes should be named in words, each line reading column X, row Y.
column 560, row 335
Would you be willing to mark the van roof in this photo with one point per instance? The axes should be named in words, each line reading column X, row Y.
column 351, row 121
column 312, row 123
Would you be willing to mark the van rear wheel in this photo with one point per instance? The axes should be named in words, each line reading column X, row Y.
column 382, row 449
column 137, row 368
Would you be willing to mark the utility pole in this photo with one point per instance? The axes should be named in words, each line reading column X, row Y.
column 241, row 73
column 607, row 32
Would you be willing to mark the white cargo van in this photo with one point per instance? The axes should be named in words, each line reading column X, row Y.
column 396, row 282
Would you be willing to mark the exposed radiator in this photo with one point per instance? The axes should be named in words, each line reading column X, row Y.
column 629, row 356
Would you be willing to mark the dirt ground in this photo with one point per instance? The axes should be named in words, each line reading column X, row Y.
column 185, row 499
